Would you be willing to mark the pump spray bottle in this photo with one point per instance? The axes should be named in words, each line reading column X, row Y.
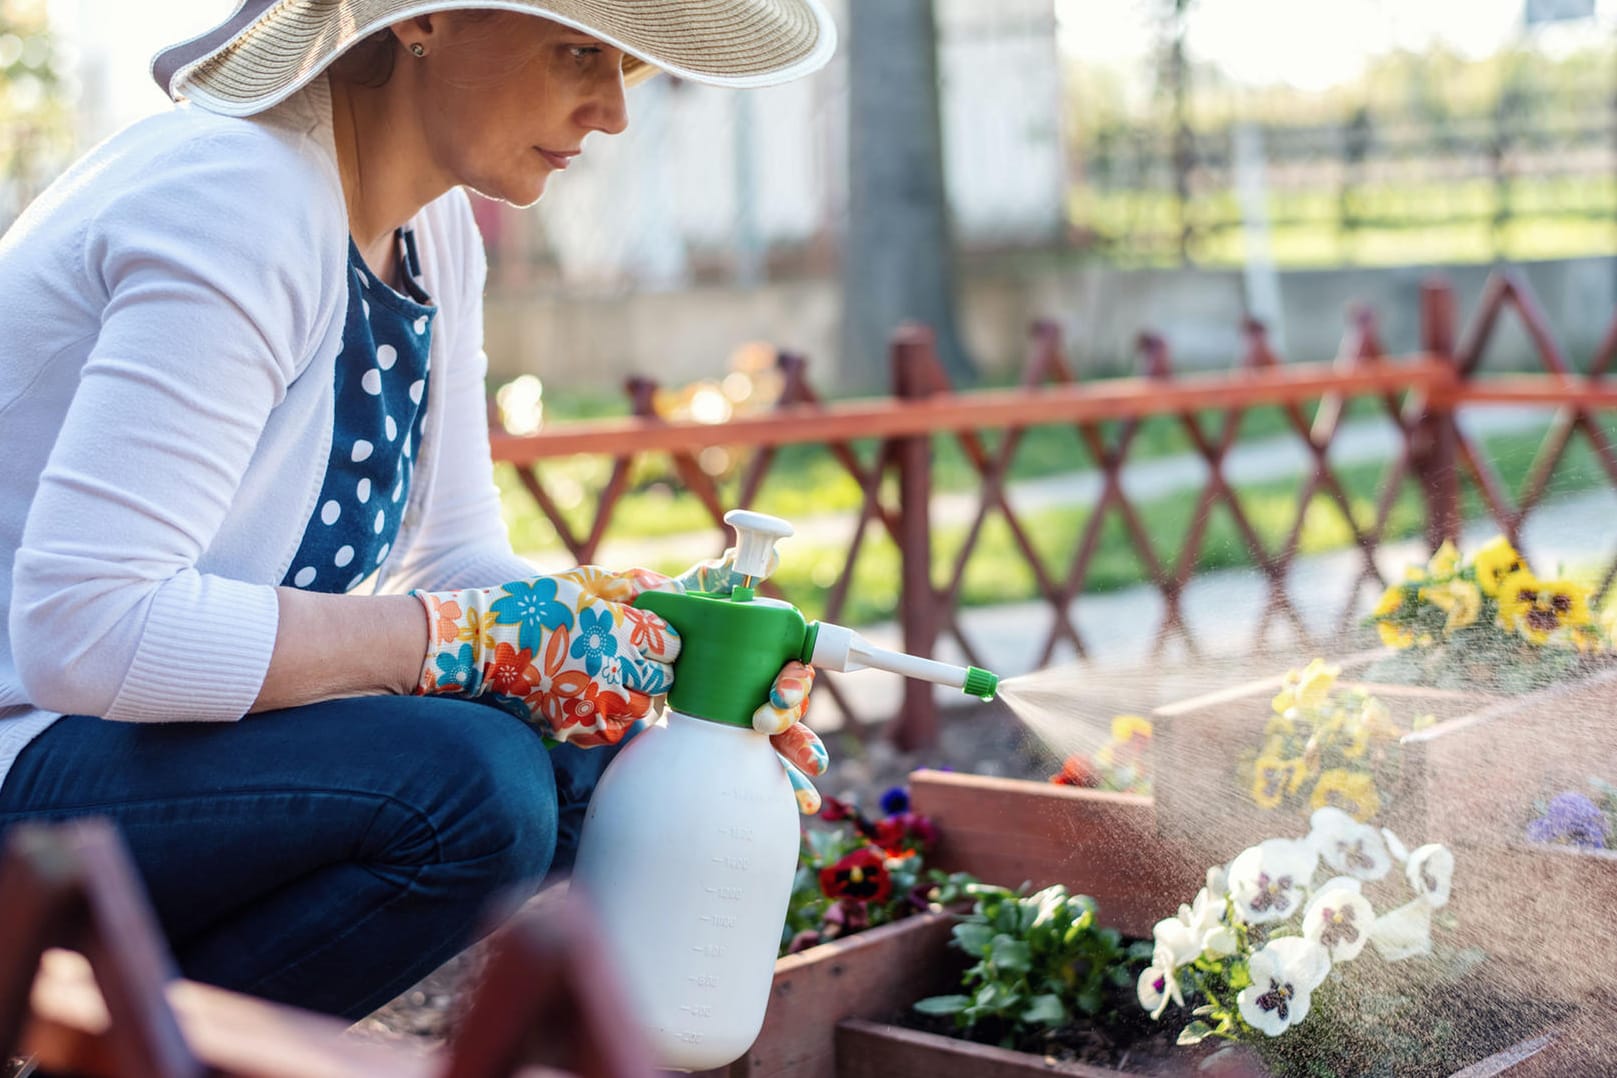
column 690, row 842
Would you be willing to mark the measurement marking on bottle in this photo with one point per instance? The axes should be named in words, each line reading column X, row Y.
column 738, row 864
column 704, row 981
column 740, row 834
column 719, row 920
column 725, row 894
column 745, row 795
column 709, row 950
column 689, row 1037
column 698, row 1010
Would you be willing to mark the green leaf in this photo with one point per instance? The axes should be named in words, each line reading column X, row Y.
column 1045, row 1010
column 1090, row 1001
column 1011, row 955
column 1194, row 1033
column 973, row 938
column 943, row 1004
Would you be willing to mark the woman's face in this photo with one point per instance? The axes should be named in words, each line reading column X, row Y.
column 507, row 99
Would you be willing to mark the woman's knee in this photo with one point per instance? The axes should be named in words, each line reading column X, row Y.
column 489, row 789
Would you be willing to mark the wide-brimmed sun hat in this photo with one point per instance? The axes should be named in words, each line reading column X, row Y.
column 269, row 49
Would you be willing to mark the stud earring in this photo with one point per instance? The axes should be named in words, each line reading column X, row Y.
column 418, row 49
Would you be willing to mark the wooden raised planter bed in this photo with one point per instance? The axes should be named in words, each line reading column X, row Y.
column 1105, row 845
column 872, row 1050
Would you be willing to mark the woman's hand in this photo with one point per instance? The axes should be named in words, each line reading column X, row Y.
column 567, row 653
column 799, row 748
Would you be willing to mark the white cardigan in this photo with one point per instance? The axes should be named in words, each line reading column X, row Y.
column 170, row 313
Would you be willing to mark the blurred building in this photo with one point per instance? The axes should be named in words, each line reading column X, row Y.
column 715, row 185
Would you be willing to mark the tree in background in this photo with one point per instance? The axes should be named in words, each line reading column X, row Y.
column 36, row 122
column 898, row 256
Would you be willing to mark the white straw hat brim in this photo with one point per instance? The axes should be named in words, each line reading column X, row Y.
column 271, row 48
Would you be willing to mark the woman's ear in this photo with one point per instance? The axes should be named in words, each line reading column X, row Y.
column 420, row 30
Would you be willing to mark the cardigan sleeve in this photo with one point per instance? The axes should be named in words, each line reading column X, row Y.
column 460, row 537
column 216, row 291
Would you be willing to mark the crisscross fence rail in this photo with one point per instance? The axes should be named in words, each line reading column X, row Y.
column 887, row 448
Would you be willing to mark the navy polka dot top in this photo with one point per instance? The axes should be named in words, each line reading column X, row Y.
column 381, row 397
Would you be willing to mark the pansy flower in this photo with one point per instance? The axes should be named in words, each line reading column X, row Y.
column 1339, row 919
column 860, row 876
column 1495, row 561
column 1285, row 973
column 1406, row 932
column 1266, row 881
column 895, row 800
column 1273, row 778
column 1159, row 983
column 1571, row 819
column 1348, row 846
column 1354, row 792
column 1430, row 871
column 1392, row 634
column 1538, row 608
column 1461, row 600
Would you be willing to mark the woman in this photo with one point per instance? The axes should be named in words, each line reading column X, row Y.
column 246, row 474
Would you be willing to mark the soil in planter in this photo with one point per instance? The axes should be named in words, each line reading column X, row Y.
column 1123, row 1039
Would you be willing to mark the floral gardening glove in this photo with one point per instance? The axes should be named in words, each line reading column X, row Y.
column 718, row 576
column 799, row 748
column 566, row 653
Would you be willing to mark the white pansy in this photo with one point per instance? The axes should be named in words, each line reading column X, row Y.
column 1404, row 933
column 1395, row 846
column 1205, row 916
column 1218, row 882
column 1430, row 871
column 1285, row 973
column 1267, row 880
column 1339, row 919
column 1159, row 984
column 1176, row 944
column 1347, row 845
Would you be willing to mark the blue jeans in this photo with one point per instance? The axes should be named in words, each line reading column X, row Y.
column 326, row 856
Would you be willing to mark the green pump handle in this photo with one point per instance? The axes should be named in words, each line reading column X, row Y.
column 731, row 649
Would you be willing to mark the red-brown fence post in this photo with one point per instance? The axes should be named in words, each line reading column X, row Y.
column 1435, row 455
column 915, row 362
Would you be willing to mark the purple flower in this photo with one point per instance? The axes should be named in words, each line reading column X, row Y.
column 1571, row 820
column 895, row 801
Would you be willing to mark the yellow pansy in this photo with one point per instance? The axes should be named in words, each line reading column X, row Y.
column 1271, row 777
column 1395, row 636
column 1461, row 600
column 1496, row 560
column 1390, row 602
column 1355, row 739
column 1354, row 792
column 1314, row 683
column 1445, row 561
column 1538, row 608
column 1128, row 727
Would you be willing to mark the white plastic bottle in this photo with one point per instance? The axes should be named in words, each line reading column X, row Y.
column 687, row 854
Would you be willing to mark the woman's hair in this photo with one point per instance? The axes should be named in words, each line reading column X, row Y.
column 369, row 61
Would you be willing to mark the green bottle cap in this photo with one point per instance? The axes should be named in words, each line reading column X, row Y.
column 981, row 683
column 731, row 649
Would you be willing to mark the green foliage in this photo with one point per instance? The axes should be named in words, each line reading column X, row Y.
column 1042, row 962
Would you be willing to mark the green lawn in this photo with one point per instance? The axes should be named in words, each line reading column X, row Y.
column 998, row 573
column 1390, row 223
